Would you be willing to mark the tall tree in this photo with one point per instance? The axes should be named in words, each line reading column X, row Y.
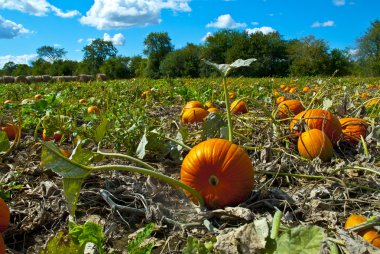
column 50, row 53
column 117, row 67
column 157, row 46
column 308, row 56
column 369, row 49
column 9, row 68
column 97, row 52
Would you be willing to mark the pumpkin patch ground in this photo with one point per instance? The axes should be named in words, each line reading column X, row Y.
column 315, row 197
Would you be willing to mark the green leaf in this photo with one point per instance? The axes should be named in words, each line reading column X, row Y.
column 152, row 143
column 71, row 191
column 100, row 131
column 83, row 156
column 4, row 142
column 194, row 246
column 302, row 240
column 214, row 127
column 225, row 68
column 134, row 245
column 88, row 232
column 61, row 244
column 52, row 158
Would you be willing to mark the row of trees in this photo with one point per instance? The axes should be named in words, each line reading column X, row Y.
column 275, row 57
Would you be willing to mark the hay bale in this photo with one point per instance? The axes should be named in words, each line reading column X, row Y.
column 8, row 79
column 101, row 77
column 47, row 78
column 85, row 78
column 21, row 79
column 30, row 79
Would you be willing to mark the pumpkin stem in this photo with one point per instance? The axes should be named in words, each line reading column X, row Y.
column 213, row 180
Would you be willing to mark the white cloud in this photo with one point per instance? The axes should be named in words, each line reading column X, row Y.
column 204, row 38
column 225, row 21
column 80, row 40
column 323, row 24
column 254, row 23
column 105, row 14
column 22, row 59
column 339, row 2
column 117, row 40
column 10, row 29
column 36, row 8
column 263, row 29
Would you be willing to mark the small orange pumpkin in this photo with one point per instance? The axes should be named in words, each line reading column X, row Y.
column 82, row 101
column 238, row 107
column 372, row 102
column 318, row 119
column 305, row 89
column 353, row 128
column 56, row 136
column 194, row 115
column 4, row 215
column 11, row 130
column 220, row 171
column 280, row 99
column 212, row 109
column 370, row 235
column 93, row 109
column 208, row 105
column 315, row 143
column 38, row 97
column 289, row 106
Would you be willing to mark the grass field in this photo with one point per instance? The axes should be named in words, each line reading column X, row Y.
column 139, row 125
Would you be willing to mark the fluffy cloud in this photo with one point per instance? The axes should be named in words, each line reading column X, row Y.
column 36, row 8
column 105, row 14
column 10, row 29
column 339, row 2
column 323, row 24
column 117, row 39
column 263, row 29
column 22, row 59
column 225, row 21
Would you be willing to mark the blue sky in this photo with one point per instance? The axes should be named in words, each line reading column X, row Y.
column 26, row 25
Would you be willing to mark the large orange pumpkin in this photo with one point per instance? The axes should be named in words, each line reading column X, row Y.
column 370, row 235
column 4, row 215
column 289, row 106
column 353, row 128
column 2, row 245
column 220, row 171
column 194, row 115
column 11, row 130
column 318, row 119
column 238, row 107
column 315, row 143
column 192, row 104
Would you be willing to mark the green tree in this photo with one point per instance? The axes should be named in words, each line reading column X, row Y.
column 339, row 63
column 137, row 66
column 157, row 46
column 51, row 53
column 9, row 68
column 96, row 53
column 117, row 67
column 184, row 62
column 40, row 67
column 369, row 50
column 308, row 56
column 63, row 68
column 22, row 69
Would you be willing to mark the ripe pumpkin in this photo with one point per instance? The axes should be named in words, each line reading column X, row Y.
column 289, row 106
column 11, row 130
column 319, row 119
column 231, row 95
column 292, row 90
column 208, row 105
column 372, row 102
column 194, row 115
column 4, row 215
column 370, row 235
column 220, row 171
column 280, row 99
column 2, row 245
column 238, row 107
column 192, row 104
column 212, row 109
column 315, row 143
column 38, row 97
column 305, row 89
column 82, row 101
column 353, row 128
column 93, row 109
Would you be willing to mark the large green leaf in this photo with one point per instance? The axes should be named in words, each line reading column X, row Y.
column 214, row 127
column 301, row 240
column 52, row 158
column 100, row 131
column 226, row 68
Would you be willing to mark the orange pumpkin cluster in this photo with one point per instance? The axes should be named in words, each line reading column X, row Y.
column 193, row 112
column 370, row 235
column 4, row 222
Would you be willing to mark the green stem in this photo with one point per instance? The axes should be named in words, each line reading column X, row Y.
column 365, row 148
column 358, row 168
column 157, row 175
column 137, row 161
column 276, row 224
column 228, row 110
column 176, row 141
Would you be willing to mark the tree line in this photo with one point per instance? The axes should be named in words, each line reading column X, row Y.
column 307, row 56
